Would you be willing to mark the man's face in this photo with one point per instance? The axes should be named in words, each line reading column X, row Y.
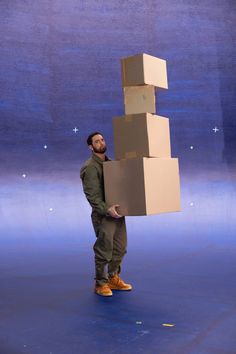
column 98, row 144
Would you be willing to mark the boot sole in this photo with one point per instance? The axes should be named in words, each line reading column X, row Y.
column 104, row 295
column 121, row 289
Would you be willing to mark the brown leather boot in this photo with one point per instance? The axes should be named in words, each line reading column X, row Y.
column 116, row 283
column 103, row 290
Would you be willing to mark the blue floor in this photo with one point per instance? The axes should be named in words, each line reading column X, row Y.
column 182, row 267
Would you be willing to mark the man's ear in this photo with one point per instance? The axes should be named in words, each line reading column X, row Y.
column 91, row 147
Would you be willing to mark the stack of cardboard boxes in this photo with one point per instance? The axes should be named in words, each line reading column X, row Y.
column 143, row 179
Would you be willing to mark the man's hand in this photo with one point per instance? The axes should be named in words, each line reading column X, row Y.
column 112, row 211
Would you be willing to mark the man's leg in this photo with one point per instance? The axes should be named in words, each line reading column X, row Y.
column 105, row 228
column 119, row 250
column 119, row 247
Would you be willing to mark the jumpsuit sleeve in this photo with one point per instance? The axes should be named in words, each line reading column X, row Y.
column 94, row 190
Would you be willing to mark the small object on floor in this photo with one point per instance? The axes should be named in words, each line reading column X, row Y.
column 139, row 322
column 116, row 283
column 168, row 324
column 103, row 290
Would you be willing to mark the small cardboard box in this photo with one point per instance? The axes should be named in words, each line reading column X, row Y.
column 143, row 186
column 144, row 69
column 139, row 99
column 141, row 135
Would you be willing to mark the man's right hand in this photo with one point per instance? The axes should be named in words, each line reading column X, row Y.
column 112, row 211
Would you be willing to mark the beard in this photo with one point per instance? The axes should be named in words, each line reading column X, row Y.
column 101, row 150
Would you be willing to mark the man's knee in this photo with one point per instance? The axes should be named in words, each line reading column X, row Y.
column 103, row 249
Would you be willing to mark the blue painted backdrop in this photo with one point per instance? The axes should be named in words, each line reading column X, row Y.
column 60, row 70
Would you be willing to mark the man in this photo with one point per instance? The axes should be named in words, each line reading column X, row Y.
column 109, row 226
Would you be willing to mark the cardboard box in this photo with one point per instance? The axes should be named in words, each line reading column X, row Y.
column 144, row 69
column 143, row 186
column 141, row 135
column 139, row 99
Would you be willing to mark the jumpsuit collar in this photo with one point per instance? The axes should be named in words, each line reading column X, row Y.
column 97, row 159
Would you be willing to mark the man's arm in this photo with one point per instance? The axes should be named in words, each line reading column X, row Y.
column 94, row 193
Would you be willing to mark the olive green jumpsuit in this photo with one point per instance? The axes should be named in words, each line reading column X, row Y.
column 111, row 242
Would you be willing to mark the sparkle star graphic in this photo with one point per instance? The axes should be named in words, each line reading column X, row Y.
column 215, row 129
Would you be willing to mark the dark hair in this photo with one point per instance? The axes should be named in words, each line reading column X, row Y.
column 90, row 137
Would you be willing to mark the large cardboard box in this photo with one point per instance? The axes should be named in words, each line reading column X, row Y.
column 140, row 99
column 143, row 186
column 144, row 69
column 141, row 135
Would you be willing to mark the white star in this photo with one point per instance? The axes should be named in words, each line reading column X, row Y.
column 191, row 147
column 45, row 147
column 75, row 129
column 24, row 175
column 216, row 129
column 50, row 209
column 191, row 204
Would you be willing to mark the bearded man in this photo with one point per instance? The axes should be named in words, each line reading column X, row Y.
column 109, row 225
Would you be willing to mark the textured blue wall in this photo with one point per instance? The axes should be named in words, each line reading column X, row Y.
column 60, row 69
